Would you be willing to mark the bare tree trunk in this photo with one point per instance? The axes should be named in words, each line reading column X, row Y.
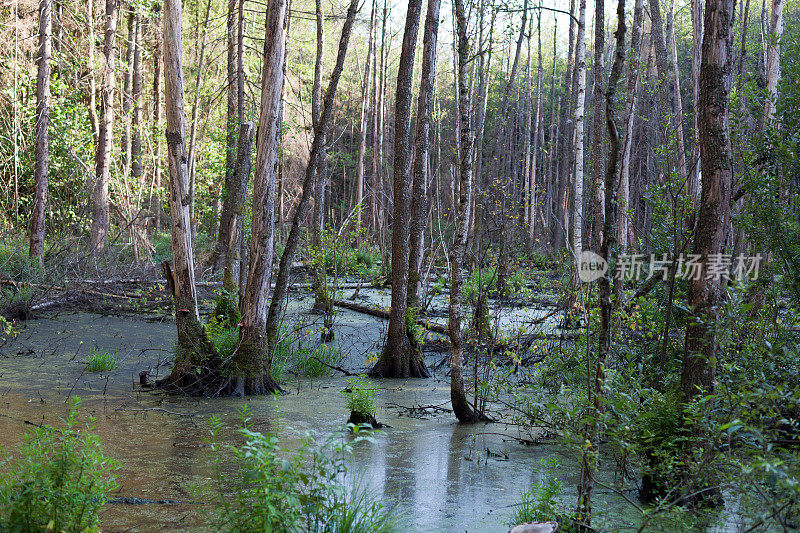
column 537, row 122
column 127, row 101
column 155, row 199
column 197, row 365
column 230, row 279
column 594, row 429
column 136, row 95
column 669, row 113
column 399, row 359
column 99, row 229
column 42, row 164
column 92, row 66
column 697, row 42
column 713, row 221
column 193, row 128
column 773, row 66
column 580, row 62
column 458, row 396
column 627, row 124
column 292, row 241
column 677, row 99
column 362, row 133
column 255, row 361
column 419, row 193
column 561, row 168
column 598, row 192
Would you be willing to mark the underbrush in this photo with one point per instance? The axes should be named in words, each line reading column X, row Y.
column 282, row 490
column 59, row 480
column 293, row 352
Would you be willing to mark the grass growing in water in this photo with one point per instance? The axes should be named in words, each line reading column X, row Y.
column 102, row 361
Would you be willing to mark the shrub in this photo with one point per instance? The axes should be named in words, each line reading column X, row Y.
column 543, row 501
column 60, row 480
column 316, row 361
column 360, row 396
column 102, row 361
column 285, row 490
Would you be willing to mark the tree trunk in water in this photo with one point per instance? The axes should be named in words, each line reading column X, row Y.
column 322, row 300
column 42, row 164
column 706, row 292
column 399, row 359
column 254, row 358
column 419, row 193
column 598, row 193
column 594, row 427
column 99, row 229
column 292, row 241
column 458, row 396
column 197, row 365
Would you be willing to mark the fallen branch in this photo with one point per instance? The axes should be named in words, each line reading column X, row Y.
column 384, row 314
column 338, row 368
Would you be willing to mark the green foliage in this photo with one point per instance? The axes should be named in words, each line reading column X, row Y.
column 341, row 256
column 479, row 281
column 59, row 481
column 315, row 361
column 226, row 308
column 416, row 330
column 284, row 490
column 102, row 361
column 544, row 501
column 360, row 396
column 16, row 264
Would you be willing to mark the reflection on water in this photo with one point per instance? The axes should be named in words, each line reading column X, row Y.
column 441, row 476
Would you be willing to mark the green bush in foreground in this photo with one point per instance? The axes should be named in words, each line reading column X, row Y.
column 292, row 491
column 59, row 480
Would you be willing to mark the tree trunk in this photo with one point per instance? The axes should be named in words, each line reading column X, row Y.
column 458, row 396
column 197, row 367
column 594, row 429
column 362, row 132
column 254, row 359
column 239, row 189
column 419, row 194
column 627, row 124
column 713, row 221
column 399, row 359
column 91, row 67
column 292, row 241
column 580, row 62
column 155, row 199
column 773, row 66
column 99, row 229
column 42, row 164
column 127, row 101
column 537, row 121
column 598, row 193
column 136, row 95
column 193, row 128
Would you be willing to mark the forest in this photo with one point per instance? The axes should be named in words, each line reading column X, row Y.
column 375, row 265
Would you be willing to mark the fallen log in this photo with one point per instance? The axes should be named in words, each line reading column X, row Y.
column 384, row 314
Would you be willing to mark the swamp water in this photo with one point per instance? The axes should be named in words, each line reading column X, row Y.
column 439, row 475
